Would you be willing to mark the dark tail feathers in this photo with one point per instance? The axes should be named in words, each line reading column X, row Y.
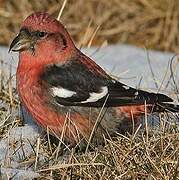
column 164, row 107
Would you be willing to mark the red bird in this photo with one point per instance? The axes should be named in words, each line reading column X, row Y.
column 68, row 92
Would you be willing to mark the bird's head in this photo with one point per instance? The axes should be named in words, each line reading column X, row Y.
column 41, row 33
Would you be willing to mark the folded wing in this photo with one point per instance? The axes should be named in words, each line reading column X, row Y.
column 76, row 84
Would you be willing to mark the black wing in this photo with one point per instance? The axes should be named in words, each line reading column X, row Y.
column 73, row 84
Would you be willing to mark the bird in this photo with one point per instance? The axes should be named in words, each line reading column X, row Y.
column 69, row 94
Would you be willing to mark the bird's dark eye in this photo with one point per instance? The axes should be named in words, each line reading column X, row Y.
column 41, row 34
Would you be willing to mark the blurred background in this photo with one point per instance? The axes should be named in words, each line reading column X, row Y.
column 148, row 24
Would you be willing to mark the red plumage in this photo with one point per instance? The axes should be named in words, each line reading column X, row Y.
column 64, row 90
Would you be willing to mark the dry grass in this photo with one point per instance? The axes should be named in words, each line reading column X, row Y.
column 145, row 23
column 127, row 157
column 8, row 103
column 131, row 157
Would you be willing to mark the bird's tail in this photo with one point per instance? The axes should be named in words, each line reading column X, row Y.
column 166, row 107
